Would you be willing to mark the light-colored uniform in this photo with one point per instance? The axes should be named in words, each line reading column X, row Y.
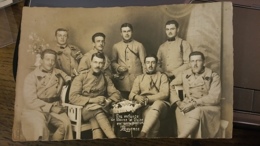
column 130, row 55
column 66, row 58
column 173, row 56
column 156, row 88
column 41, row 92
column 86, row 61
column 206, row 91
column 89, row 85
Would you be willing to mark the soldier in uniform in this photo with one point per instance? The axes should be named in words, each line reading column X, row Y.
column 127, row 59
column 198, row 114
column 68, row 55
column 98, row 40
column 95, row 91
column 42, row 88
column 173, row 55
column 152, row 90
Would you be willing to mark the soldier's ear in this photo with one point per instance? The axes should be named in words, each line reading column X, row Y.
column 189, row 64
column 41, row 61
column 178, row 30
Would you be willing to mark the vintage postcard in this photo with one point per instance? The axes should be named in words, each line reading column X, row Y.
column 124, row 72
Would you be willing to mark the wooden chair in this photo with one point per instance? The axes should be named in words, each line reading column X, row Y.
column 74, row 114
column 223, row 123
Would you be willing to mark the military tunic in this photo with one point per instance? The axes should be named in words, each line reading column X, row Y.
column 41, row 92
column 87, row 85
column 156, row 88
column 130, row 55
column 86, row 61
column 66, row 58
column 172, row 58
column 205, row 89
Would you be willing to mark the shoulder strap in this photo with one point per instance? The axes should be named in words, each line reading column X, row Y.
column 136, row 54
column 106, row 93
column 181, row 47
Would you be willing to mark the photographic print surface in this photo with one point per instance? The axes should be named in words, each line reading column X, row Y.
column 154, row 71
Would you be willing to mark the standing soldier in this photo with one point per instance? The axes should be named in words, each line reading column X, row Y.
column 173, row 55
column 127, row 59
column 68, row 55
column 98, row 40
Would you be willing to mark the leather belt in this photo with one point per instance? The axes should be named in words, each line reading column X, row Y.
column 51, row 99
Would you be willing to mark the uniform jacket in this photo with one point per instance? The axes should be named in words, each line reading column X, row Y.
column 66, row 58
column 40, row 86
column 206, row 91
column 39, row 90
column 86, row 61
column 134, row 62
column 172, row 58
column 87, row 85
column 155, row 86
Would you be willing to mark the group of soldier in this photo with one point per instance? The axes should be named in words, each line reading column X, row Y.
column 96, row 82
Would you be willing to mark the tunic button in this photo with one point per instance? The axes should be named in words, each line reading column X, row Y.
column 201, row 94
column 190, row 93
column 202, row 88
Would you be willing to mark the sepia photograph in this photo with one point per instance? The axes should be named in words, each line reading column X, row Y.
column 125, row 72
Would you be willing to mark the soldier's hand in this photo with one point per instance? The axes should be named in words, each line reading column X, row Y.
column 107, row 106
column 121, row 69
column 180, row 105
column 187, row 107
column 79, row 55
column 57, row 109
column 140, row 99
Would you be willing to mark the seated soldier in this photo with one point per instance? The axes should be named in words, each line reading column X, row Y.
column 152, row 90
column 198, row 114
column 42, row 88
column 89, row 89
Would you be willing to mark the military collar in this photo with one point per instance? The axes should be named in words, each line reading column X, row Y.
column 62, row 46
column 201, row 72
column 38, row 72
column 45, row 71
column 96, row 50
column 128, row 41
column 95, row 74
column 171, row 39
column 151, row 73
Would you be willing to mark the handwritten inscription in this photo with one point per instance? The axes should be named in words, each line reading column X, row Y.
column 129, row 122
